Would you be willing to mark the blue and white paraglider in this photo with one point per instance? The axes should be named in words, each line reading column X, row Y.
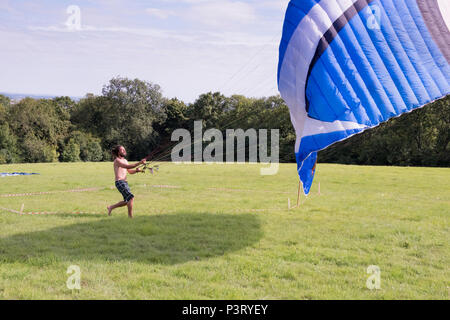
column 348, row 65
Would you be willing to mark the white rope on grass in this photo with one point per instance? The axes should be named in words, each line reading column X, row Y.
column 104, row 213
column 46, row 192
column 9, row 210
column 57, row 213
column 247, row 190
column 77, row 190
column 21, row 213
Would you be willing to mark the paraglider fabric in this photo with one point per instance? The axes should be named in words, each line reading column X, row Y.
column 348, row 65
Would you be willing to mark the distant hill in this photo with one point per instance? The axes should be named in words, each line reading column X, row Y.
column 20, row 96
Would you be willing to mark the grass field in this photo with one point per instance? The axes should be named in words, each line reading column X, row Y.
column 226, row 232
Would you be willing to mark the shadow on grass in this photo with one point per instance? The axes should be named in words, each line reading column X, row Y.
column 158, row 239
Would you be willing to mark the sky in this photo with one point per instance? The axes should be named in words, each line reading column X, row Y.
column 188, row 47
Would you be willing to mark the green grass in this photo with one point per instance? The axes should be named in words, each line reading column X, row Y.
column 198, row 242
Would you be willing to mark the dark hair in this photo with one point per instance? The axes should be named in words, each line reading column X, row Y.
column 115, row 151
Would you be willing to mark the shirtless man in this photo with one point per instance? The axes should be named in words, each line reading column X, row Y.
column 121, row 167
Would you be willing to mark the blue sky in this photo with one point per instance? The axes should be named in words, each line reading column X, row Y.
column 188, row 47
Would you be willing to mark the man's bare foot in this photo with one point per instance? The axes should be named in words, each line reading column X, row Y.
column 109, row 210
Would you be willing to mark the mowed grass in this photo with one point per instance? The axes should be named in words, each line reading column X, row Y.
column 226, row 233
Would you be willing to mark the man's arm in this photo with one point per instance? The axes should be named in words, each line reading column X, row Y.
column 134, row 171
column 123, row 164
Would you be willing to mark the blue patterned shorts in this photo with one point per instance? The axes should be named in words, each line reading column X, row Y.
column 124, row 189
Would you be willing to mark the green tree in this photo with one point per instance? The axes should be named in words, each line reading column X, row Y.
column 93, row 115
column 4, row 107
column 90, row 147
column 8, row 145
column 209, row 107
column 175, row 116
column 126, row 114
column 4, row 101
column 41, row 123
column 71, row 152
column 35, row 150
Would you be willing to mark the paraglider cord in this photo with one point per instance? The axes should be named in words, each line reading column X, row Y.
column 298, row 197
column 143, row 168
column 299, row 191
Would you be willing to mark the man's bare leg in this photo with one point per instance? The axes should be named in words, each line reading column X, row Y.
column 115, row 206
column 130, row 208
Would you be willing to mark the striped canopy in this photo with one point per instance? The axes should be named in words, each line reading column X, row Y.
column 348, row 65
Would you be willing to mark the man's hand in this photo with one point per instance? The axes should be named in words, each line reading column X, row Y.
column 143, row 161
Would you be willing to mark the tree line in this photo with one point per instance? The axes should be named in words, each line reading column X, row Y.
column 135, row 114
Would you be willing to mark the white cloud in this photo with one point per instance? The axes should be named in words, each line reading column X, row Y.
column 188, row 48
column 222, row 13
column 273, row 4
column 226, row 38
column 159, row 13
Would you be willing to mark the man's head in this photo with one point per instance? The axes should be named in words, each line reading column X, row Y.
column 118, row 152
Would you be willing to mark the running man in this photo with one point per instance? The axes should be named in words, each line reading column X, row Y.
column 121, row 167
